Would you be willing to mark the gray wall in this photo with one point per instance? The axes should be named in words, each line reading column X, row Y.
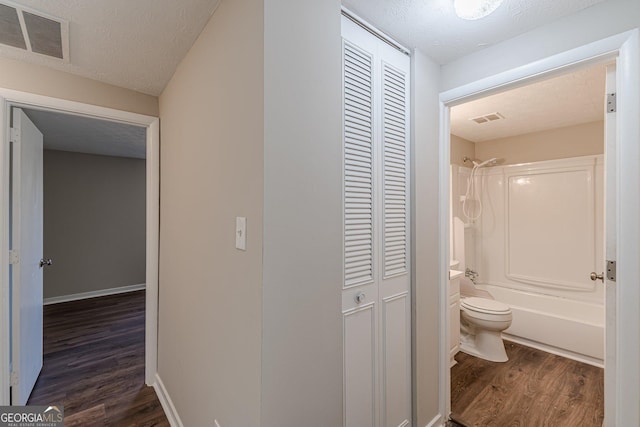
column 425, row 239
column 94, row 222
column 253, row 338
column 210, row 308
column 302, row 285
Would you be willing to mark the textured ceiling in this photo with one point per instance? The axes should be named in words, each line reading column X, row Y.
column 433, row 27
column 136, row 44
column 78, row 134
column 567, row 100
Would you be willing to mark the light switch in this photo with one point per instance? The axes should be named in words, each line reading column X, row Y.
column 241, row 233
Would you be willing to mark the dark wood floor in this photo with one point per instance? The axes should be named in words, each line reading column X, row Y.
column 533, row 388
column 94, row 363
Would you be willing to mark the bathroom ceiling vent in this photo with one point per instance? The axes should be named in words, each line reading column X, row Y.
column 35, row 32
column 491, row 117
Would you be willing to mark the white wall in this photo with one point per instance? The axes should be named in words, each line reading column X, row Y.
column 425, row 240
column 210, row 310
column 302, row 327
column 595, row 23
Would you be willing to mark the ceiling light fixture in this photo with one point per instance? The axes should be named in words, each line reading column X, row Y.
column 475, row 9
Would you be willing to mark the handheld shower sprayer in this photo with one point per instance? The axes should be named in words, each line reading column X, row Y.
column 489, row 162
column 471, row 196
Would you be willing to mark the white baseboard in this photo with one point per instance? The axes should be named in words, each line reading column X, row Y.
column 94, row 294
column 436, row 422
column 167, row 403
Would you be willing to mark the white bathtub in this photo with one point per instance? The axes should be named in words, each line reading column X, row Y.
column 568, row 328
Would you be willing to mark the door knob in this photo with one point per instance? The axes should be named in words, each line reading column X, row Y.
column 44, row 262
column 594, row 276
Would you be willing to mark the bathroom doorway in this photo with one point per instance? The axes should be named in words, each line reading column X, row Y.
column 526, row 231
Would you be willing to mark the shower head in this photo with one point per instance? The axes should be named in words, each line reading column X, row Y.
column 490, row 162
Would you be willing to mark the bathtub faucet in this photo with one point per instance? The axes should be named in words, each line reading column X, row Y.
column 473, row 275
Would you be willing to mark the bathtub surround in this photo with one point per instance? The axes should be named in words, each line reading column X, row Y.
column 542, row 229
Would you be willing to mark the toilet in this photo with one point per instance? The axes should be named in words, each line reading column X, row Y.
column 482, row 321
column 482, row 318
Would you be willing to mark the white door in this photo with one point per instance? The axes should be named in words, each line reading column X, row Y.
column 26, row 254
column 360, row 290
column 376, row 289
column 393, row 256
column 610, row 254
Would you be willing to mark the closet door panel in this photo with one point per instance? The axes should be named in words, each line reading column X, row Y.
column 396, row 399
column 395, row 283
column 359, row 367
column 360, row 289
column 394, row 185
column 358, row 166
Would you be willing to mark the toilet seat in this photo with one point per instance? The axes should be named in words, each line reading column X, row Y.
column 484, row 305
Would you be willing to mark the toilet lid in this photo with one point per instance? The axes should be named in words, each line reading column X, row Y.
column 484, row 305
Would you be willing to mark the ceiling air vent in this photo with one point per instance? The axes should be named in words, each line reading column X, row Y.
column 33, row 31
column 491, row 117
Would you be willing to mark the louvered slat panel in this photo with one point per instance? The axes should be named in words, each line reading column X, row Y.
column 358, row 166
column 395, row 171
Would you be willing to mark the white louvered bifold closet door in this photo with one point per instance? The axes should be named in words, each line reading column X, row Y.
column 376, row 289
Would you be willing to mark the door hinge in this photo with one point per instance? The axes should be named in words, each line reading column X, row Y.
column 14, row 135
column 14, row 258
column 13, row 380
column 611, row 103
column 611, row 270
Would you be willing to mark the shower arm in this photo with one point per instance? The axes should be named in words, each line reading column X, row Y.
column 479, row 164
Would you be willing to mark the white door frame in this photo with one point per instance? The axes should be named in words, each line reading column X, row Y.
column 625, row 48
column 9, row 98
